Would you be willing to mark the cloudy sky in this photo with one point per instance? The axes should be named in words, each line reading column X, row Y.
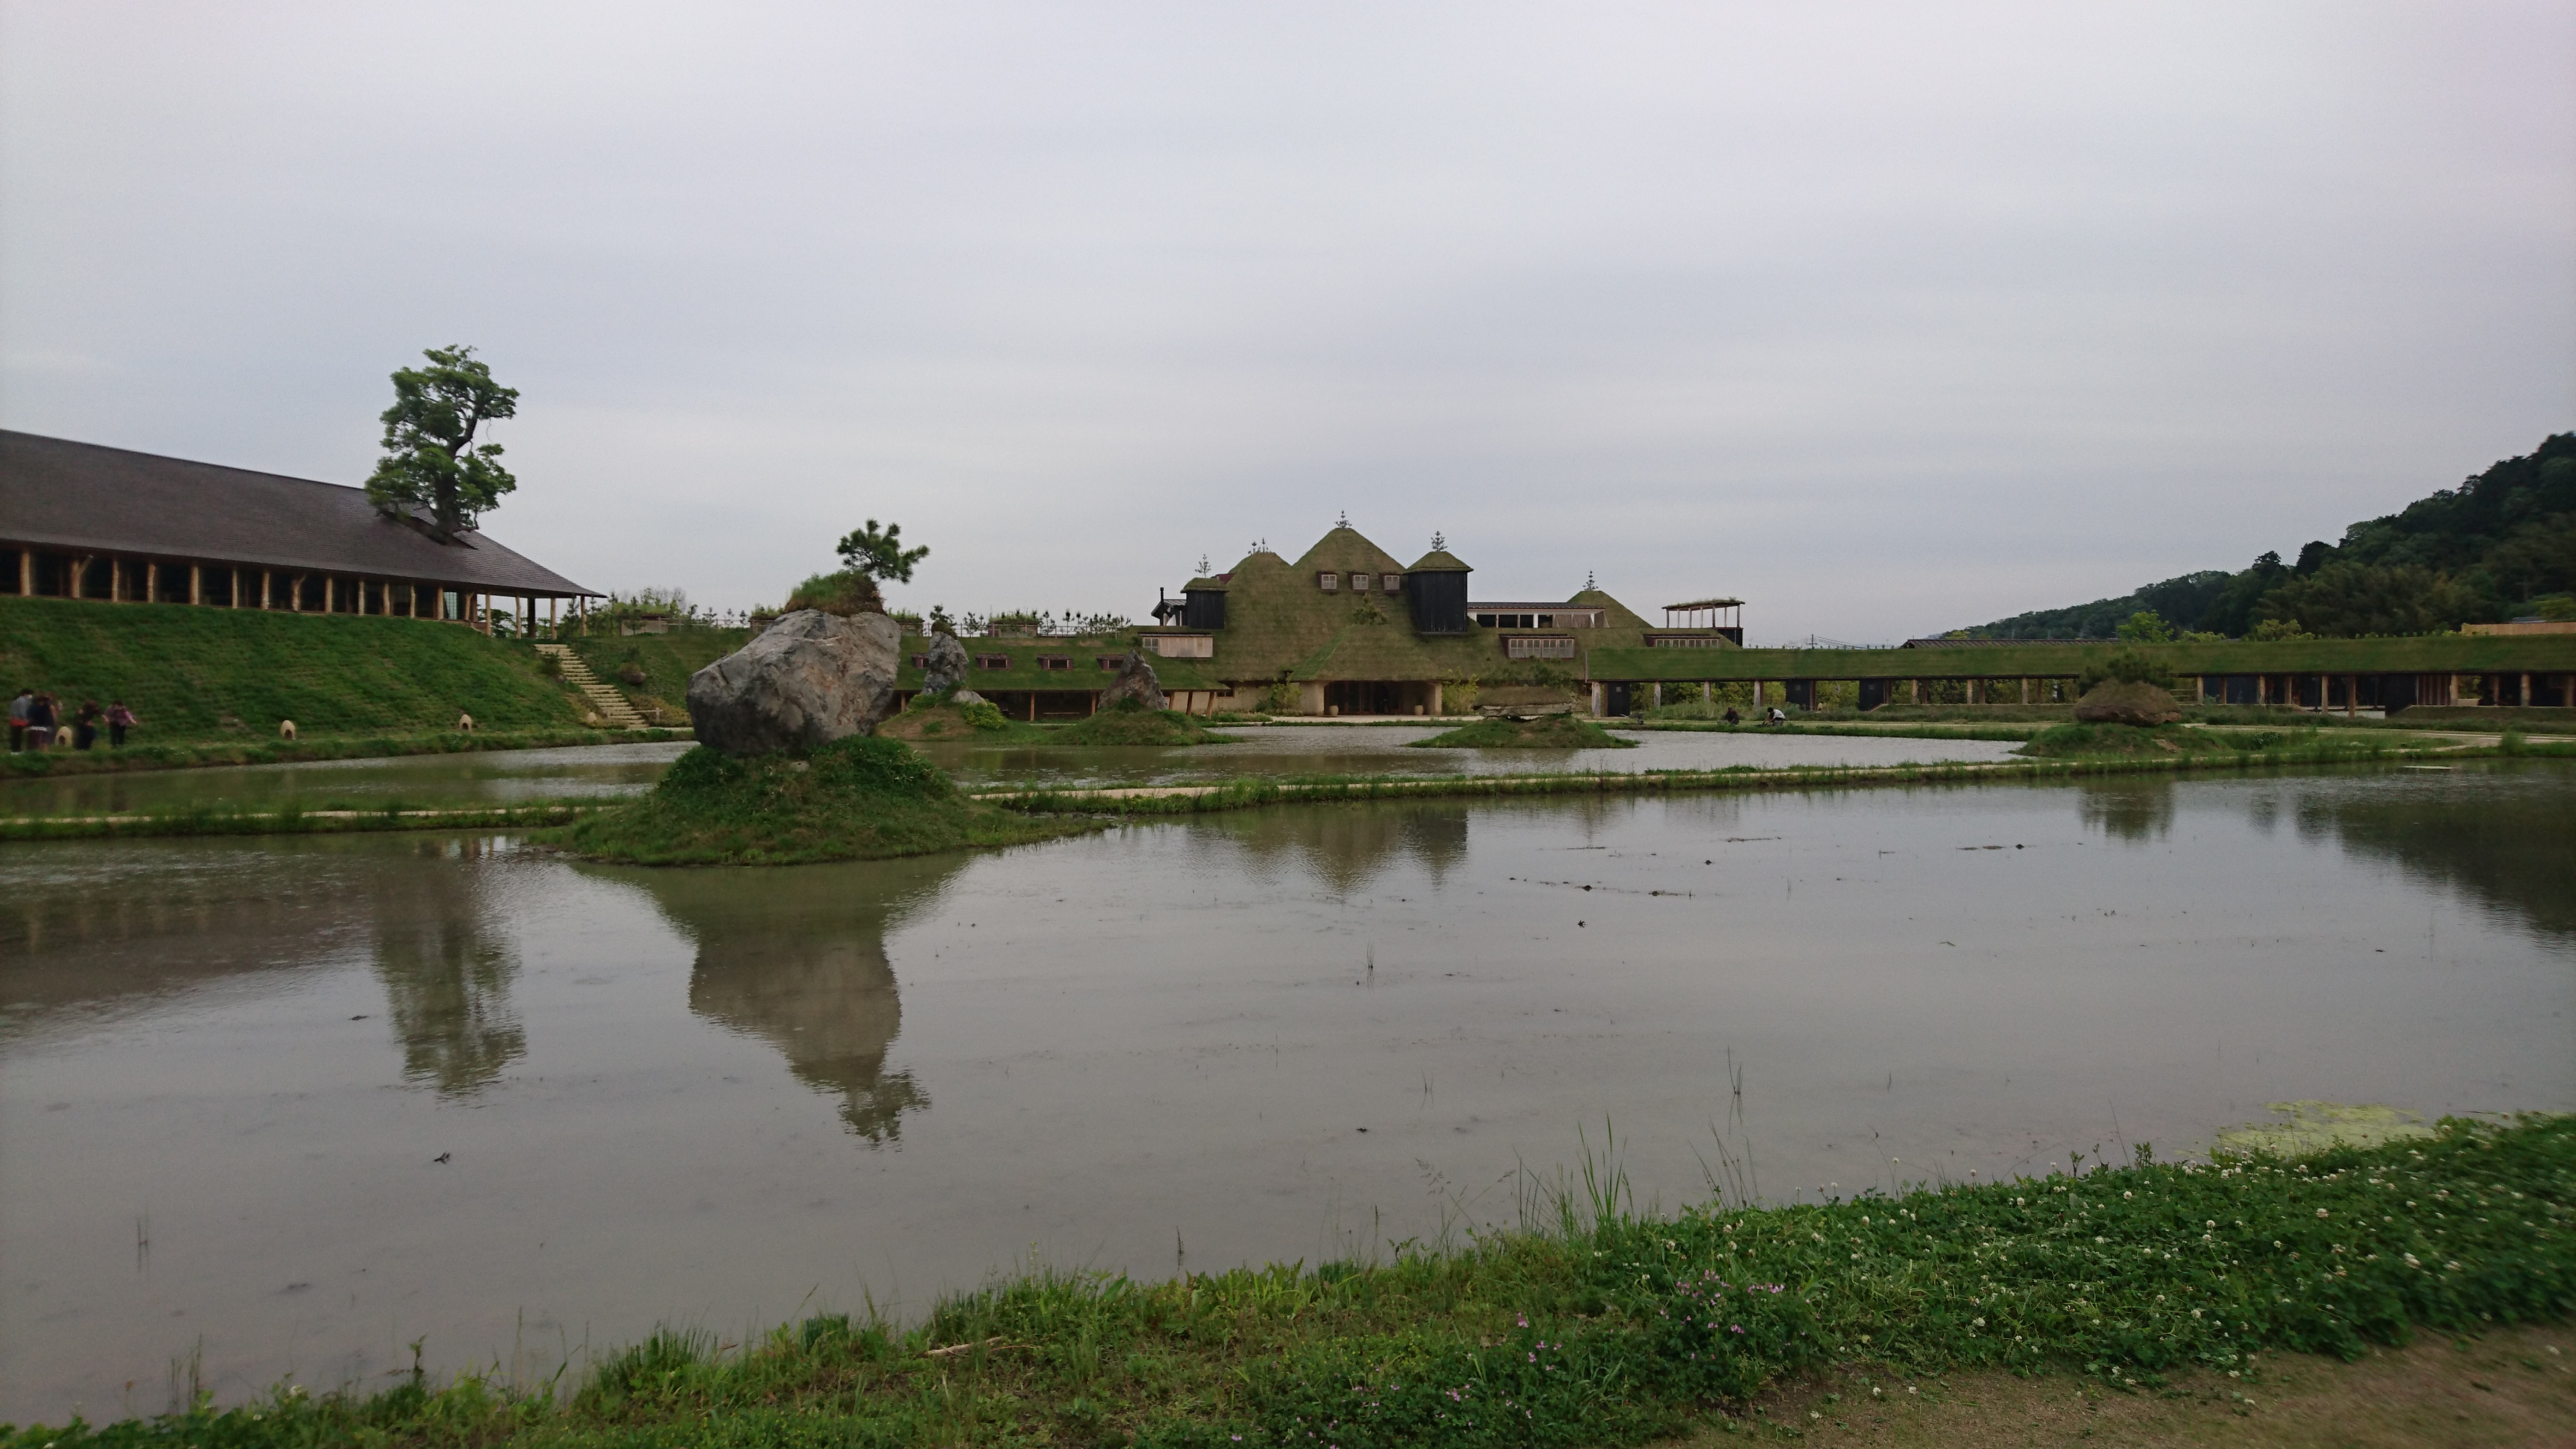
column 1889, row 319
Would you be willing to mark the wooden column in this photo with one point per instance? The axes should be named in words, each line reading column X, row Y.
column 2524, row 699
column 2025, row 689
column 151, row 581
column 194, row 596
column 26, row 572
column 2352, row 695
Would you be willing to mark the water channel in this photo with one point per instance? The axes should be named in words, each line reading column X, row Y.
column 287, row 1105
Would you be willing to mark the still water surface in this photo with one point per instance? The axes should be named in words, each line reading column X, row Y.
column 292, row 1104
column 594, row 771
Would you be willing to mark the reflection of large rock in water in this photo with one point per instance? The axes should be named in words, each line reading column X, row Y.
column 797, row 958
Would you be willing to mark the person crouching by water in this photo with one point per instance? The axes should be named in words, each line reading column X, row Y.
column 119, row 720
column 18, row 708
column 40, row 722
column 85, row 724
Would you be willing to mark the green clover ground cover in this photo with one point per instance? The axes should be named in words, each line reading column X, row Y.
column 1607, row 1327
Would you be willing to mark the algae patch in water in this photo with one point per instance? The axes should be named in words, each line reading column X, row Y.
column 860, row 798
column 2317, row 1126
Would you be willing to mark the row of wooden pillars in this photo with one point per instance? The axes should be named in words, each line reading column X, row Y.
column 136, row 581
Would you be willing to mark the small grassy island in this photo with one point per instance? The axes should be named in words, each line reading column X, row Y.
column 939, row 719
column 1130, row 723
column 2201, row 1286
column 1547, row 732
column 861, row 798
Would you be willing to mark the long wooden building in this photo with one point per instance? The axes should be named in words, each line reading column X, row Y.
column 81, row 521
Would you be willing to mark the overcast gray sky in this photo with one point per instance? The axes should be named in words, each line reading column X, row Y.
column 1888, row 318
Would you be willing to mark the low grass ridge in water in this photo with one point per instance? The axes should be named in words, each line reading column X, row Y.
column 1547, row 732
column 1593, row 1324
column 860, row 798
column 2133, row 741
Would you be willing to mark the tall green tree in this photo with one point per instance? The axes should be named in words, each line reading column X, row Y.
column 879, row 553
column 432, row 457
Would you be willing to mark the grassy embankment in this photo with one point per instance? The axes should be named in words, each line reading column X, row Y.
column 1598, row 1324
column 860, row 798
column 211, row 685
column 1547, row 732
column 652, row 670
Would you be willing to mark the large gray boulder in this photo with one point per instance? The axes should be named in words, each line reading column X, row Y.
column 807, row 680
column 1135, row 681
column 944, row 667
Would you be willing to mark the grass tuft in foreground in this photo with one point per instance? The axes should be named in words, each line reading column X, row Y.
column 860, row 798
column 1547, row 732
column 1594, row 1324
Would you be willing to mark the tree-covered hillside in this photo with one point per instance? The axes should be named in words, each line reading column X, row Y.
column 2499, row 546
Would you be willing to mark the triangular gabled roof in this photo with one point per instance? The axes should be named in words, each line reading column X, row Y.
column 1347, row 549
column 1614, row 615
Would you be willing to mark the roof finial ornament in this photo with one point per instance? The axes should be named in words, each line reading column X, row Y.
column 1344, row 521
column 1203, row 565
column 1588, row 584
column 1437, row 542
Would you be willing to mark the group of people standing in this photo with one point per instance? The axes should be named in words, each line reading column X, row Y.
column 36, row 723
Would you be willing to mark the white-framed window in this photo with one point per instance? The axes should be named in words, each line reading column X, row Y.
column 1359, row 583
column 1389, row 583
column 1539, row 646
column 1329, row 581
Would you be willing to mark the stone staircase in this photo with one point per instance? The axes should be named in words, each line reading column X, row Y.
column 610, row 705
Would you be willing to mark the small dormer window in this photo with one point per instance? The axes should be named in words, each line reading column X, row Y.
column 1359, row 583
column 1330, row 582
column 1389, row 583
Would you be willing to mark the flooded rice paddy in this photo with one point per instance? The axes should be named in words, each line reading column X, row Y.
column 508, row 777
column 286, row 1106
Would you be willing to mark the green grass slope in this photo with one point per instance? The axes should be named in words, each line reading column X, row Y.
column 197, row 673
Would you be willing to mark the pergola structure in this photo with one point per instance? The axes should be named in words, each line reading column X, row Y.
column 1690, row 615
column 80, row 521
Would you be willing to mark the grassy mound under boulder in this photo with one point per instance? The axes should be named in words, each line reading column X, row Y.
column 1130, row 723
column 1548, row 732
column 861, row 798
column 940, row 720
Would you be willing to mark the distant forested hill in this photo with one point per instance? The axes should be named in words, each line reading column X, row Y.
column 2500, row 545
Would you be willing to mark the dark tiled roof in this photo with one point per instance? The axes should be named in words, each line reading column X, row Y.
column 55, row 493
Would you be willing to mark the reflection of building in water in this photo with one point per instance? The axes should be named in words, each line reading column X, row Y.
column 106, row 933
column 797, row 959
column 447, row 968
column 1347, row 846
